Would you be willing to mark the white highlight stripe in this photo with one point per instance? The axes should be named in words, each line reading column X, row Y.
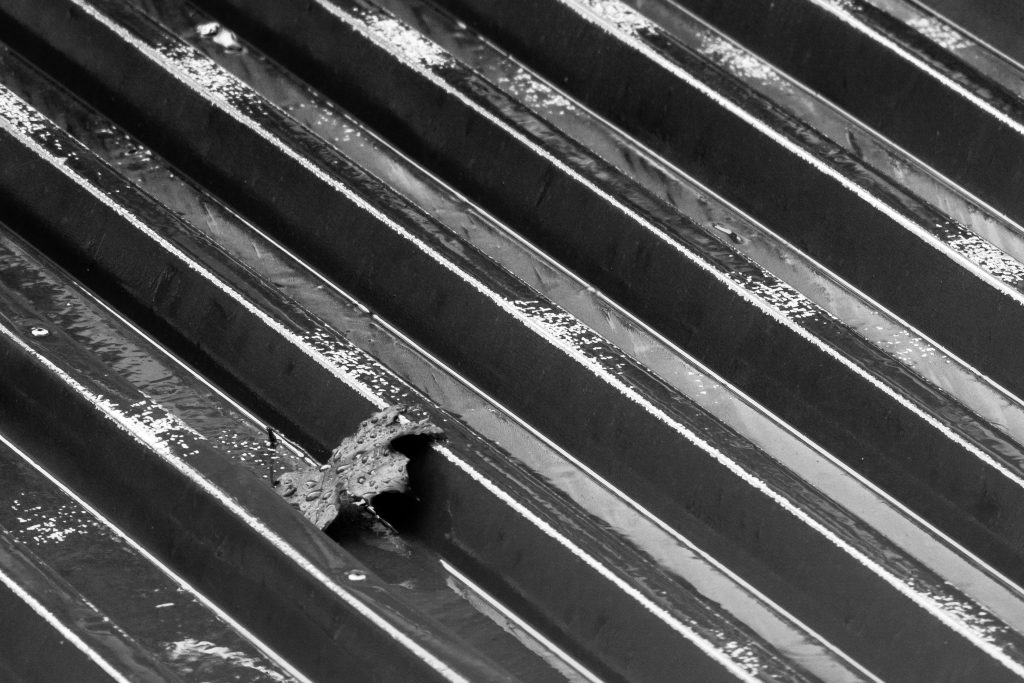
column 10, row 102
column 630, row 39
column 244, row 632
column 836, row 9
column 561, row 654
column 615, row 491
column 661, row 613
column 731, row 284
column 145, row 436
column 757, row 301
column 64, row 631
column 221, row 100
column 950, row 618
column 646, row 514
column 944, row 616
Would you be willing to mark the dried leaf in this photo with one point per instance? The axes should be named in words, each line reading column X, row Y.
column 364, row 466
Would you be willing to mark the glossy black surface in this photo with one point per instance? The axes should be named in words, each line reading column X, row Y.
column 673, row 307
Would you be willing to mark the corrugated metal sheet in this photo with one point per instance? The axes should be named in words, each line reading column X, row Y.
column 719, row 305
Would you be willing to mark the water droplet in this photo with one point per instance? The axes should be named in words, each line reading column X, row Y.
column 208, row 29
column 227, row 40
column 39, row 331
column 357, row 575
column 221, row 36
column 733, row 237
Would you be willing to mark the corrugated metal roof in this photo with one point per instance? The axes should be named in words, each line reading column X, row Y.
column 717, row 303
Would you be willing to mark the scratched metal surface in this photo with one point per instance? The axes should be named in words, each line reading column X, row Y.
column 718, row 303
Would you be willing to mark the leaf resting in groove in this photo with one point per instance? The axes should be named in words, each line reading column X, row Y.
column 364, row 466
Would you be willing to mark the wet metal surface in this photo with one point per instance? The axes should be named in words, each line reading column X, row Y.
column 701, row 419
column 156, row 617
column 193, row 402
column 377, row 383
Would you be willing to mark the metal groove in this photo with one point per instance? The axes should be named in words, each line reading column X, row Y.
column 724, row 352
